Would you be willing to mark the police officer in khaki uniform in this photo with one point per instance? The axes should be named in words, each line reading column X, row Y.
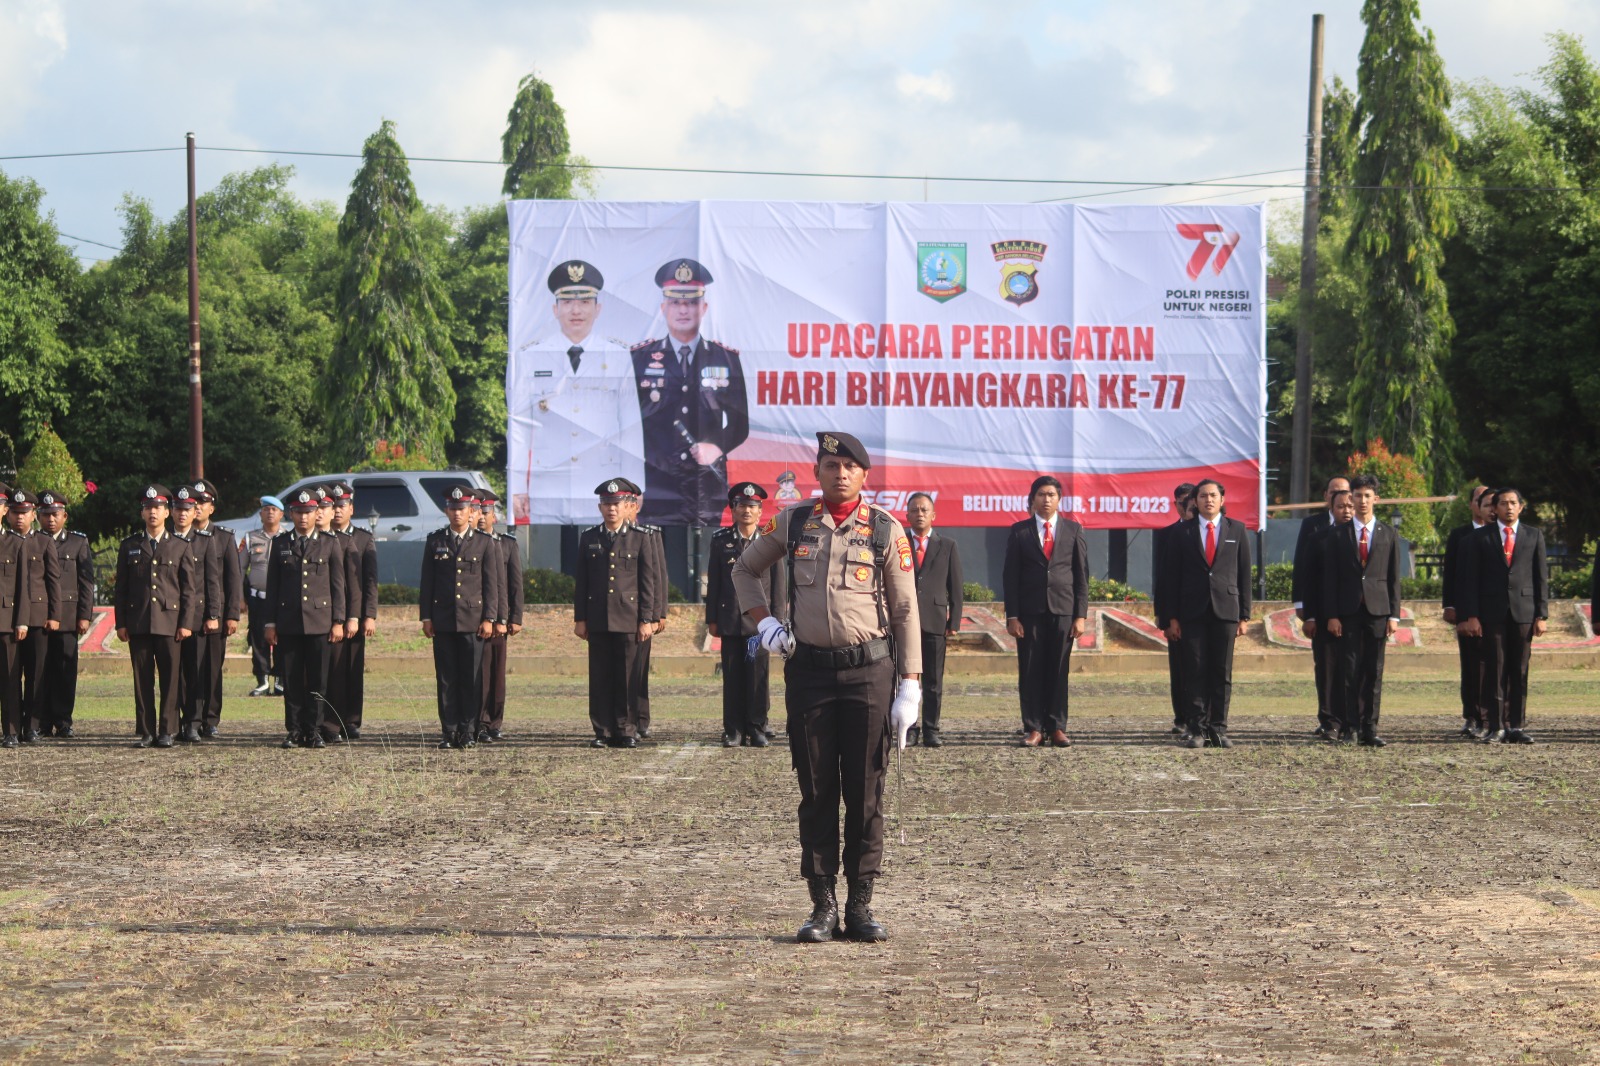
column 508, row 620
column 745, row 697
column 44, row 610
column 348, row 673
column 305, row 591
column 13, row 625
column 224, row 547
column 462, row 576
column 614, row 609
column 154, row 623
column 855, row 631
column 256, row 550
column 77, row 612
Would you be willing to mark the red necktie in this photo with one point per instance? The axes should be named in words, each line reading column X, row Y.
column 1363, row 546
column 1511, row 543
column 1049, row 540
column 922, row 546
column 1211, row 543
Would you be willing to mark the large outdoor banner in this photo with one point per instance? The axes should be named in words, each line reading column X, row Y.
column 971, row 347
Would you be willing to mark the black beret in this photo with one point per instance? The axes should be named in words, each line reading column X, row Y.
column 845, row 446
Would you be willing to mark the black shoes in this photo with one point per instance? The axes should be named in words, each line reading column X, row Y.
column 209, row 733
column 164, row 740
column 1469, row 731
column 482, row 736
column 1517, row 736
column 30, row 736
column 353, row 733
column 1322, row 732
column 9, row 741
column 1192, row 740
column 600, row 742
column 730, row 740
column 1178, row 729
column 290, row 741
column 859, row 924
column 1497, row 736
column 1217, row 739
column 624, row 742
column 446, row 744
column 931, row 737
column 823, row 925
column 1373, row 740
column 190, row 735
column 261, row 689
column 316, row 741
column 758, row 739
column 66, row 732
column 494, row 734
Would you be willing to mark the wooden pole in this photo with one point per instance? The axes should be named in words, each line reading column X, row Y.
column 1300, row 451
column 197, row 453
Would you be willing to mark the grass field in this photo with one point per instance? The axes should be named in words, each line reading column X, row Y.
column 536, row 901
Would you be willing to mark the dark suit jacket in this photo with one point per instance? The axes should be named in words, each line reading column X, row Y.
column 226, row 544
column 1223, row 587
column 722, row 601
column 305, row 590
column 208, row 565
column 1316, row 550
column 77, row 578
column 617, row 581
column 360, row 573
column 1349, row 589
column 157, row 587
column 1491, row 590
column 1314, row 524
column 513, row 588
column 1450, row 576
column 939, row 597
column 461, row 585
column 1035, row 585
column 1160, row 593
column 13, row 581
column 44, row 580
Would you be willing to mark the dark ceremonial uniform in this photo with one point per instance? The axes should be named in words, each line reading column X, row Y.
column 689, row 393
column 44, row 605
column 224, row 544
column 1474, row 692
column 462, row 578
column 348, row 679
column 13, row 612
column 657, row 547
column 746, row 696
column 1361, row 588
column 854, row 618
column 306, row 595
column 616, row 594
column 77, row 606
column 157, row 594
column 492, row 713
column 1506, row 595
column 940, row 601
column 194, row 677
column 1304, row 590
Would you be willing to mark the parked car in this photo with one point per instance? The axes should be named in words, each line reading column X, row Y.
column 396, row 505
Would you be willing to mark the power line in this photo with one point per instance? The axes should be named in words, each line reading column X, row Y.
column 86, row 240
column 1146, row 188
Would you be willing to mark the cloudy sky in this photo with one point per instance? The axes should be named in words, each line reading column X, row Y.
column 1126, row 90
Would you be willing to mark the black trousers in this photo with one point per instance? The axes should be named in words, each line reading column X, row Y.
column 1363, row 642
column 155, row 659
column 933, row 649
column 61, row 674
column 1207, row 648
column 1180, row 714
column 303, row 658
column 193, row 680
column 458, row 671
column 1507, row 648
column 263, row 657
column 1044, row 661
column 746, row 697
column 614, row 684
column 31, row 656
column 347, row 665
column 839, row 741
column 1475, row 694
column 10, row 686
column 1330, row 689
column 492, row 704
column 216, row 655
column 641, row 684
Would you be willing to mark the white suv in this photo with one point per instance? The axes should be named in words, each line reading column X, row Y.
column 397, row 505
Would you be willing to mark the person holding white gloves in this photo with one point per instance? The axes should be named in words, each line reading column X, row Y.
column 853, row 670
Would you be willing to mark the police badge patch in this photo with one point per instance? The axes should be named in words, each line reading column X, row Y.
column 1018, row 283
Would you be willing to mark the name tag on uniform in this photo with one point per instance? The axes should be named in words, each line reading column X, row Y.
column 1230, row 542
column 655, row 371
column 133, row 553
column 544, row 373
column 441, row 554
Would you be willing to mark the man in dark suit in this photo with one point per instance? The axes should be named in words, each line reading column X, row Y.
column 1324, row 648
column 77, row 612
column 43, row 611
column 492, row 716
column 1360, row 605
column 1504, row 594
column 1047, row 600
column 1182, row 508
column 746, row 699
column 614, row 608
column 1474, row 703
column 307, row 602
column 1302, row 585
column 154, row 626
column 693, row 405
column 939, row 605
column 462, row 578
column 1208, row 582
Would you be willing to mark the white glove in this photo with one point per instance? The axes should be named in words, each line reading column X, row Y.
column 775, row 636
column 903, row 712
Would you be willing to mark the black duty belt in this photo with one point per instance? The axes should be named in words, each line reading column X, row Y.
column 857, row 655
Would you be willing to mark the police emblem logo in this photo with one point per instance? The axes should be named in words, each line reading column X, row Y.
column 830, row 444
column 611, row 486
column 864, row 513
column 16, row 497
column 150, row 493
column 183, row 493
column 684, row 272
column 455, row 493
column 769, row 525
column 903, row 546
column 304, row 497
column 749, row 490
column 941, row 270
column 863, row 572
column 575, row 272
column 200, row 487
column 801, row 551
column 1019, row 263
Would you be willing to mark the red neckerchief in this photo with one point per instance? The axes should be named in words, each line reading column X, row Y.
column 841, row 512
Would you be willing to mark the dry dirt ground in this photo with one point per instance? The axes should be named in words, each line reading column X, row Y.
column 536, row 901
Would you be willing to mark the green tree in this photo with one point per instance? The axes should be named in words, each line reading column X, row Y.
column 475, row 274
column 389, row 377
column 536, row 150
column 1401, row 219
column 36, row 279
column 50, row 467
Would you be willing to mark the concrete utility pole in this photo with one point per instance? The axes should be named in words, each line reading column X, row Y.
column 1300, row 453
column 197, row 445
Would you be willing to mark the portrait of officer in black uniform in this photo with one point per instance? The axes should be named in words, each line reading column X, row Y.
column 614, row 609
column 157, row 605
column 693, row 403
column 463, row 579
column 745, row 678
column 77, row 612
column 306, row 596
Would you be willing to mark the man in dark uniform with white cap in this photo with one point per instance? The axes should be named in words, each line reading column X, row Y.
column 614, row 609
column 655, row 543
column 157, row 604
column 507, row 623
column 692, row 399
column 745, row 695
column 462, row 578
column 348, row 670
column 305, row 591
column 44, row 610
column 13, row 625
column 77, row 612
column 193, row 675
column 853, row 674
column 224, row 546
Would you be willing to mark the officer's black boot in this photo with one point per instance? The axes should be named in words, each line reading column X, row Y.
column 823, row 924
column 859, row 924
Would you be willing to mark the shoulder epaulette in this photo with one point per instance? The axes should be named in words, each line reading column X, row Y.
column 222, row 529
column 644, row 344
column 130, row 536
column 75, row 533
column 202, row 532
column 618, row 341
column 653, row 530
column 730, row 349
column 596, row 526
column 440, row 530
